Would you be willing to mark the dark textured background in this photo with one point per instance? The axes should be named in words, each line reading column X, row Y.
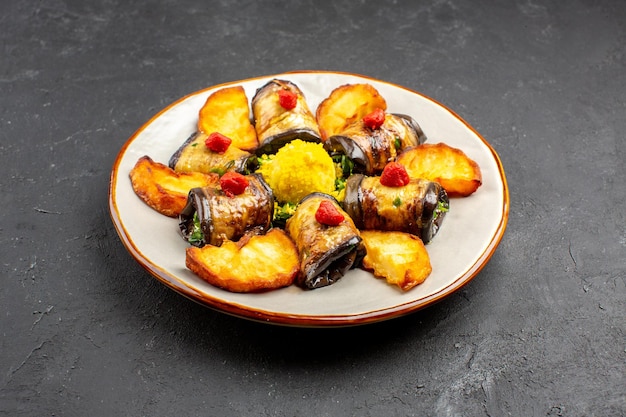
column 540, row 331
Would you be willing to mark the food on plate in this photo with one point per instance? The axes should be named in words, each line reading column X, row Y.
column 196, row 155
column 227, row 111
column 299, row 168
column 327, row 249
column 284, row 200
column 400, row 258
column 371, row 148
column 255, row 263
column 458, row 174
column 281, row 114
column 418, row 207
column 220, row 212
column 345, row 105
column 162, row 188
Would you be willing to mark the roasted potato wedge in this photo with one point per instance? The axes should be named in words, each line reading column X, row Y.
column 256, row 263
column 226, row 111
column 459, row 175
column 400, row 258
column 162, row 188
column 345, row 105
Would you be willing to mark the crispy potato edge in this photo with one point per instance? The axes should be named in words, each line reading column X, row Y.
column 232, row 268
column 346, row 104
column 227, row 111
column 404, row 275
column 457, row 173
column 163, row 189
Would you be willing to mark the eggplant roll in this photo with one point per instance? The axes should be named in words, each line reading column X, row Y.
column 326, row 252
column 275, row 126
column 371, row 149
column 194, row 156
column 211, row 217
column 417, row 208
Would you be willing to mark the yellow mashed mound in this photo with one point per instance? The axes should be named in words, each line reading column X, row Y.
column 298, row 169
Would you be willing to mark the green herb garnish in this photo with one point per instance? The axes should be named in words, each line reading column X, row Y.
column 223, row 169
column 263, row 159
column 283, row 212
column 340, row 184
column 397, row 202
column 442, row 207
column 345, row 164
column 196, row 235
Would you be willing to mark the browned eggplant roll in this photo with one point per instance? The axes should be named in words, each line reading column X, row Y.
column 194, row 156
column 211, row 216
column 326, row 252
column 278, row 122
column 417, row 208
column 371, row 149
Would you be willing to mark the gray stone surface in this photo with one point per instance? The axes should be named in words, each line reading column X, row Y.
column 541, row 331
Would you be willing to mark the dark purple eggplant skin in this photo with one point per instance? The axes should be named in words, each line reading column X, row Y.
column 415, row 208
column 326, row 252
column 227, row 217
column 372, row 149
column 176, row 155
column 414, row 127
column 273, row 144
column 276, row 126
column 352, row 199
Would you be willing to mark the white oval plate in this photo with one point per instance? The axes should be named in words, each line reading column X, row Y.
column 467, row 239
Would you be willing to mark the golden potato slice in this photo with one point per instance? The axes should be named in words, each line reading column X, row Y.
column 459, row 175
column 345, row 105
column 162, row 188
column 398, row 257
column 255, row 263
column 226, row 111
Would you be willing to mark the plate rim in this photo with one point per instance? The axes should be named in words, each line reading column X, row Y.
column 305, row 320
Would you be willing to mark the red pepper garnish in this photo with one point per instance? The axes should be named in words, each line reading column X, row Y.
column 287, row 99
column 233, row 183
column 394, row 175
column 217, row 142
column 375, row 119
column 328, row 214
